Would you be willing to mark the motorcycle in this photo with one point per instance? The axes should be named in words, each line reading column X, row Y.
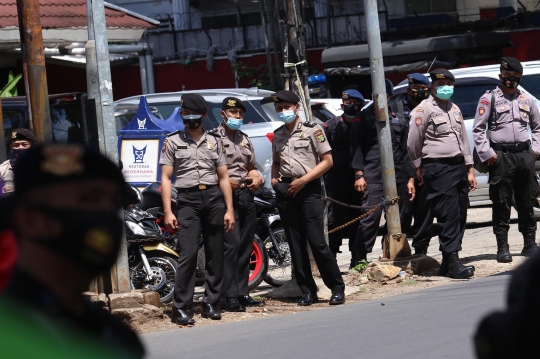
column 275, row 242
column 258, row 264
column 152, row 260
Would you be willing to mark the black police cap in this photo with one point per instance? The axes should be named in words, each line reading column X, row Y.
column 511, row 64
column 440, row 74
column 61, row 162
column 232, row 102
column 194, row 102
column 23, row 134
column 285, row 96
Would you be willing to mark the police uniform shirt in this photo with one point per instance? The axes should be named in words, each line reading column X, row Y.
column 437, row 131
column 193, row 164
column 239, row 153
column 6, row 174
column 299, row 151
column 509, row 123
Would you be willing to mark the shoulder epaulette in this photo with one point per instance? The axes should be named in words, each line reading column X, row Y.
column 310, row 124
column 214, row 132
column 173, row 133
column 279, row 128
column 243, row 133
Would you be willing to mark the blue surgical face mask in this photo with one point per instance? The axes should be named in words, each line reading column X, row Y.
column 234, row 123
column 287, row 116
column 445, row 92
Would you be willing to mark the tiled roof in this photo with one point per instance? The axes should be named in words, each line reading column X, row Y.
column 65, row 14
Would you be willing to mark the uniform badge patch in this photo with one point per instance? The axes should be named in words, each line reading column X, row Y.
column 210, row 145
column 418, row 121
column 419, row 110
column 231, row 103
column 244, row 144
column 481, row 111
column 9, row 189
column 484, row 102
column 13, row 134
column 303, row 134
column 320, row 136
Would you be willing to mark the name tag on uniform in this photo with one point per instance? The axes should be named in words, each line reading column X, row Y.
column 226, row 146
column 181, row 147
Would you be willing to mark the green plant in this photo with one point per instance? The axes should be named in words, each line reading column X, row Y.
column 361, row 266
column 258, row 76
column 410, row 282
column 10, row 89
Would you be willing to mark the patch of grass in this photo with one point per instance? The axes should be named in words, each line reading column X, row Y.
column 361, row 266
column 257, row 298
column 410, row 282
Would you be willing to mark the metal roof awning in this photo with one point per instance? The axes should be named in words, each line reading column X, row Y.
column 451, row 49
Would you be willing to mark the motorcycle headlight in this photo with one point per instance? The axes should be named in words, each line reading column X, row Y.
column 135, row 228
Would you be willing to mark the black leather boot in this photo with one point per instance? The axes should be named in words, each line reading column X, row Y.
column 456, row 269
column 529, row 244
column 445, row 266
column 420, row 250
column 503, row 252
column 353, row 260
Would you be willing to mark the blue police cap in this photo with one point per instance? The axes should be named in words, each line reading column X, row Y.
column 389, row 87
column 352, row 95
column 417, row 78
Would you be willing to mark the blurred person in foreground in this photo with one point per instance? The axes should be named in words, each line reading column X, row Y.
column 66, row 220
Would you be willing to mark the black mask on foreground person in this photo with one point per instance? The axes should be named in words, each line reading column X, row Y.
column 351, row 110
column 192, row 121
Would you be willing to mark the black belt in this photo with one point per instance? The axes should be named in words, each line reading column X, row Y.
column 288, row 179
column 447, row 160
column 511, row 147
column 200, row 187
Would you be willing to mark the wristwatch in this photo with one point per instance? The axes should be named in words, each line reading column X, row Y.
column 358, row 176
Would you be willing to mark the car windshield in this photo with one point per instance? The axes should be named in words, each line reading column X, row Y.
column 531, row 83
column 66, row 120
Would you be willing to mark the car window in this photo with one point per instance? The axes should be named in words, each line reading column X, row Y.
column 267, row 108
column 531, row 83
column 66, row 120
column 166, row 109
column 466, row 97
column 321, row 113
column 12, row 120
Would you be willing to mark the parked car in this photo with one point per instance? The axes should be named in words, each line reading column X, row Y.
column 471, row 84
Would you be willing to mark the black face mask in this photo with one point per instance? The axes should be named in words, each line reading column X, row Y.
column 20, row 151
column 420, row 95
column 192, row 121
column 351, row 110
column 90, row 239
column 510, row 81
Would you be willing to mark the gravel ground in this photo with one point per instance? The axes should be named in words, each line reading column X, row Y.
column 479, row 249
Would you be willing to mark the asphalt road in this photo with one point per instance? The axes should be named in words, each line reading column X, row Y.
column 432, row 323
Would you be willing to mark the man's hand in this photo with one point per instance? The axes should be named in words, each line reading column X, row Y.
column 256, row 184
column 419, row 176
column 360, row 185
column 472, row 179
column 275, row 180
column 228, row 221
column 170, row 221
column 296, row 186
column 410, row 189
column 492, row 160
column 234, row 185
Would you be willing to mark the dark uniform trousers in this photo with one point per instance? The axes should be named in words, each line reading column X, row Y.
column 423, row 228
column 303, row 222
column 342, row 190
column 200, row 212
column 447, row 187
column 513, row 174
column 239, row 245
column 369, row 226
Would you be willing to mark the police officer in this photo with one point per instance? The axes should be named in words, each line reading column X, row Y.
column 204, row 203
column 417, row 91
column 366, row 163
column 507, row 111
column 245, row 181
column 21, row 140
column 339, row 180
column 301, row 154
column 439, row 150
column 66, row 220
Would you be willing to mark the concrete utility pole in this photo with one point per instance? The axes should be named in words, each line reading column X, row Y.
column 34, row 68
column 99, row 85
column 396, row 245
column 267, row 47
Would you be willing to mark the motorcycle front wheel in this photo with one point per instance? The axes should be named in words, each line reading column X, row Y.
column 163, row 273
column 258, row 264
column 279, row 268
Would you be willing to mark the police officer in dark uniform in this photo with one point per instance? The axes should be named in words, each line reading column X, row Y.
column 204, row 201
column 339, row 180
column 368, row 178
column 245, row 181
column 21, row 141
column 68, row 227
column 439, row 149
column 417, row 91
column 508, row 112
column 301, row 155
